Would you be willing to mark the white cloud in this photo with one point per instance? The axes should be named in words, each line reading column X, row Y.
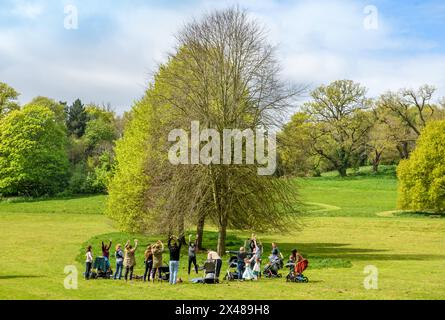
column 27, row 9
column 318, row 42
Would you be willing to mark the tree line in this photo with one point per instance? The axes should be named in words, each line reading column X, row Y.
column 341, row 128
column 52, row 148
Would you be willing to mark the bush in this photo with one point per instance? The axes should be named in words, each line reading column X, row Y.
column 422, row 176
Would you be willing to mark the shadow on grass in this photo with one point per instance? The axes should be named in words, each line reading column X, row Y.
column 25, row 199
column 320, row 255
column 345, row 252
column 7, row 277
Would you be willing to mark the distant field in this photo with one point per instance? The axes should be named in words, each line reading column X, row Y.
column 78, row 205
column 351, row 196
column 342, row 234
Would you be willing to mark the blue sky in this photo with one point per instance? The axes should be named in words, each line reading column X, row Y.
column 118, row 44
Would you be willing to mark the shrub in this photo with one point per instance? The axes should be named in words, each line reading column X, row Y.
column 422, row 176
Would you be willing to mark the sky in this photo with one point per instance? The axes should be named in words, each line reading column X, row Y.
column 117, row 46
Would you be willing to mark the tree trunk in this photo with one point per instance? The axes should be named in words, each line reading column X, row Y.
column 181, row 230
column 342, row 171
column 403, row 150
column 200, row 231
column 222, row 233
column 376, row 162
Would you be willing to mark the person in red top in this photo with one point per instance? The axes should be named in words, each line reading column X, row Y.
column 106, row 253
column 106, row 250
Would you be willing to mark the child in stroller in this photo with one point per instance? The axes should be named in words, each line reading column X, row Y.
column 273, row 266
column 297, row 264
column 232, row 272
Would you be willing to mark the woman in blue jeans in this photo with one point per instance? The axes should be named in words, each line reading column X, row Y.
column 119, row 262
column 175, row 251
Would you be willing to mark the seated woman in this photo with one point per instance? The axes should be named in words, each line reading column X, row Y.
column 300, row 262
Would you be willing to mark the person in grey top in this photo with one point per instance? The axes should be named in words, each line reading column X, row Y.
column 193, row 246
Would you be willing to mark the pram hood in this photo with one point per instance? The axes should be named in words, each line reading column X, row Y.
column 209, row 266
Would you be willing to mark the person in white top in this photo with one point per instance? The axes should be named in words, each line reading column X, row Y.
column 213, row 255
column 88, row 262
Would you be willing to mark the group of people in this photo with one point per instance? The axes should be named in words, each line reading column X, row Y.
column 248, row 260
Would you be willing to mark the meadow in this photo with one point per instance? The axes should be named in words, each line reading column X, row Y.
column 343, row 231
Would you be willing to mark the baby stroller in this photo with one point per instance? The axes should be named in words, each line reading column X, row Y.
column 165, row 273
column 232, row 273
column 101, row 269
column 296, row 271
column 272, row 268
column 209, row 272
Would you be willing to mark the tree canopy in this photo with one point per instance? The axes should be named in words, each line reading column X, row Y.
column 33, row 158
column 8, row 99
column 422, row 176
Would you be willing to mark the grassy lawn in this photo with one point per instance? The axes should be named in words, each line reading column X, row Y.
column 359, row 195
column 342, row 234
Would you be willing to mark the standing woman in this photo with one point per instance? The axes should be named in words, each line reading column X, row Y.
column 192, row 254
column 252, row 243
column 148, row 260
column 213, row 255
column 157, row 250
column 175, row 252
column 106, row 253
column 106, row 249
column 119, row 255
column 130, row 260
column 88, row 262
column 241, row 256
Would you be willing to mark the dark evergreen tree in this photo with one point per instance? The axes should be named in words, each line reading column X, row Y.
column 77, row 119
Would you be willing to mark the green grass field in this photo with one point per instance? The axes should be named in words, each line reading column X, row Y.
column 343, row 232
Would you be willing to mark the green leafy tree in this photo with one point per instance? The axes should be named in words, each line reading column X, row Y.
column 77, row 119
column 101, row 130
column 56, row 107
column 130, row 185
column 381, row 141
column 422, row 176
column 8, row 99
column 295, row 147
column 340, row 122
column 92, row 154
column 33, row 158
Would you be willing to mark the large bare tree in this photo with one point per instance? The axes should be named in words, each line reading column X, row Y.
column 405, row 113
column 225, row 76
